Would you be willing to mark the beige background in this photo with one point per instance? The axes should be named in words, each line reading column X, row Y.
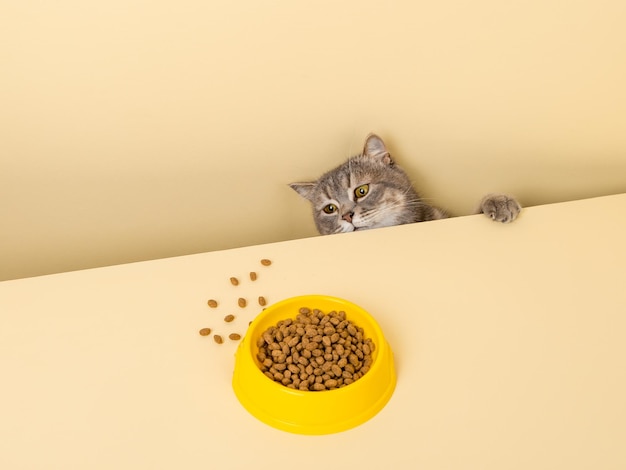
column 501, row 365
column 132, row 130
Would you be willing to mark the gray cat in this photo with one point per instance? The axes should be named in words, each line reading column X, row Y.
column 371, row 191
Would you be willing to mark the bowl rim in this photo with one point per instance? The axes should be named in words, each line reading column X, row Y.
column 382, row 366
column 378, row 340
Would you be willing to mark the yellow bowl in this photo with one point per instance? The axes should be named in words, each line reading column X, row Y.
column 309, row 412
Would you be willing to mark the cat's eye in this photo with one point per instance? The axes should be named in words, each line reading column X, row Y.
column 330, row 209
column 361, row 191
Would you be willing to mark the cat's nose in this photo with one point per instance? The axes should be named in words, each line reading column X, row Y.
column 348, row 216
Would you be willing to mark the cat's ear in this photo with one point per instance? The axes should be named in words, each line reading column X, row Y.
column 375, row 148
column 303, row 189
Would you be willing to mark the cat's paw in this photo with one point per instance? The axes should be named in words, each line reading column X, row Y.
column 500, row 207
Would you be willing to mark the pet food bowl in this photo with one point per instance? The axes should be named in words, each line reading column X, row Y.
column 313, row 412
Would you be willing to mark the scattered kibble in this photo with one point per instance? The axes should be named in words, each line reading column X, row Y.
column 242, row 302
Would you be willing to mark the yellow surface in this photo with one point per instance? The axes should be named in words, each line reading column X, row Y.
column 508, row 343
column 133, row 130
column 308, row 412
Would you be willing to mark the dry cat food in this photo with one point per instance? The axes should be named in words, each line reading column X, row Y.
column 315, row 352
column 241, row 302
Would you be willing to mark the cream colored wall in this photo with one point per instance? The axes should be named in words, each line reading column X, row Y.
column 133, row 130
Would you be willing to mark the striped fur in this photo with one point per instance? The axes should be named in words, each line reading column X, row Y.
column 339, row 204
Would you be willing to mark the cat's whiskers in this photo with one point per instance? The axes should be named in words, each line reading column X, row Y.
column 399, row 205
column 342, row 228
column 371, row 215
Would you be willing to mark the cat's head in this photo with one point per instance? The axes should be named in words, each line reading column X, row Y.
column 368, row 191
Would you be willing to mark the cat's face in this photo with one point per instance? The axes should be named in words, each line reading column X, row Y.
column 368, row 191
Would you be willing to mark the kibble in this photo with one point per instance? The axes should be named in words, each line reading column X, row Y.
column 266, row 262
column 241, row 302
column 234, row 336
column 205, row 331
column 253, row 276
column 234, row 281
column 212, row 303
column 315, row 352
column 229, row 318
column 262, row 301
column 218, row 339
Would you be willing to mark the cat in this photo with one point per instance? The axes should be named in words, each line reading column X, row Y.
column 370, row 191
